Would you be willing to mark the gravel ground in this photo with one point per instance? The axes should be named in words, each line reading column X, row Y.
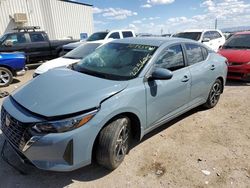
column 199, row 149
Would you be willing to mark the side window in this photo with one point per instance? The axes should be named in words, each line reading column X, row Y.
column 204, row 53
column 36, row 37
column 115, row 35
column 194, row 53
column 207, row 35
column 127, row 34
column 16, row 38
column 217, row 34
column 171, row 58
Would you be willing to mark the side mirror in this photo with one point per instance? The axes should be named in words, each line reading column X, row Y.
column 8, row 43
column 205, row 40
column 161, row 74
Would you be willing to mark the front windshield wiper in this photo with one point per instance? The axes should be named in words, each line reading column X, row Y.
column 237, row 47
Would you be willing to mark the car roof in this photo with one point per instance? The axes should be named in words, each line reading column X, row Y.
column 152, row 41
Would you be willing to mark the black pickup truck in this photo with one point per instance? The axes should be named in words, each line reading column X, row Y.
column 35, row 44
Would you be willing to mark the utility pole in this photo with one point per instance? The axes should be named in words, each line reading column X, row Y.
column 216, row 23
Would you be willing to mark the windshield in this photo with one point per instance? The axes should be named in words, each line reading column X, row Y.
column 97, row 36
column 189, row 35
column 238, row 41
column 116, row 61
column 82, row 51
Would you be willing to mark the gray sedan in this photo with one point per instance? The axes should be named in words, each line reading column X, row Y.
column 64, row 118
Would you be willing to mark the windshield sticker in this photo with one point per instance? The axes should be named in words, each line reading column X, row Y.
column 139, row 65
column 142, row 47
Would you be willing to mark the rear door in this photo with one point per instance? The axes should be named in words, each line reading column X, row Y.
column 201, row 69
column 166, row 97
column 39, row 46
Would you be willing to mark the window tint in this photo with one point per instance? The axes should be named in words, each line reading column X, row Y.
column 189, row 35
column 115, row 35
column 215, row 34
column 207, row 35
column 194, row 53
column 127, row 34
column 16, row 38
column 204, row 52
column 171, row 58
column 36, row 37
column 97, row 36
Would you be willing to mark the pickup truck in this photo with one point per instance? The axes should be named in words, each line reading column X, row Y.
column 100, row 36
column 35, row 44
column 11, row 65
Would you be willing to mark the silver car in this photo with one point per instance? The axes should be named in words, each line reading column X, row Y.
column 64, row 118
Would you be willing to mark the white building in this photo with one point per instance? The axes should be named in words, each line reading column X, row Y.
column 59, row 18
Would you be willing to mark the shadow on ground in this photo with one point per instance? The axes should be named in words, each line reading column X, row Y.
column 55, row 179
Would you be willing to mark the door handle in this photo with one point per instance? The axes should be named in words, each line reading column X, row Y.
column 212, row 67
column 185, row 78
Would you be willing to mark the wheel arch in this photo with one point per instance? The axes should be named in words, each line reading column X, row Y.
column 135, row 128
column 10, row 69
column 222, row 81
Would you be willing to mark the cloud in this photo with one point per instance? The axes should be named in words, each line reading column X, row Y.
column 114, row 13
column 150, row 3
column 160, row 2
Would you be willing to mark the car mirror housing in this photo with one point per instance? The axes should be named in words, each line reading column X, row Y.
column 161, row 74
column 205, row 40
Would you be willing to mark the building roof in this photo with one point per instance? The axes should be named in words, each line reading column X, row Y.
column 76, row 2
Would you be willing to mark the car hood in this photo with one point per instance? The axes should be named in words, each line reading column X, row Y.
column 238, row 56
column 73, row 45
column 58, row 62
column 61, row 92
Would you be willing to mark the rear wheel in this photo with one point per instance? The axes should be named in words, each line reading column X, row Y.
column 113, row 143
column 6, row 77
column 214, row 94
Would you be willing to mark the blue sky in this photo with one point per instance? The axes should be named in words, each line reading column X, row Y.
column 156, row 16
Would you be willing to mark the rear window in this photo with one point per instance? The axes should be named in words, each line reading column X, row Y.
column 238, row 42
column 97, row 36
column 189, row 35
column 194, row 53
column 36, row 37
column 127, row 34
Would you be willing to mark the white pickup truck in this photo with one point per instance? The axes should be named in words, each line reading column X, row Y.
column 102, row 35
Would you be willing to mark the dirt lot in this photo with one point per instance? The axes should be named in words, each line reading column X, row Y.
column 216, row 140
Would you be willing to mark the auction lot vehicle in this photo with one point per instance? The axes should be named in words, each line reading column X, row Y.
column 64, row 118
column 237, row 51
column 100, row 36
column 70, row 58
column 35, row 44
column 212, row 38
column 11, row 64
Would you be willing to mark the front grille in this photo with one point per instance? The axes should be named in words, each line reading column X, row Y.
column 235, row 64
column 16, row 132
column 235, row 74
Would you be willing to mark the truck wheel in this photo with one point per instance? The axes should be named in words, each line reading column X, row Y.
column 113, row 143
column 6, row 77
column 214, row 94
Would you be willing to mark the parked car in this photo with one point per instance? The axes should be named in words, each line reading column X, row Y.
column 212, row 38
column 70, row 58
column 237, row 51
column 103, row 36
column 11, row 65
column 123, row 90
column 35, row 44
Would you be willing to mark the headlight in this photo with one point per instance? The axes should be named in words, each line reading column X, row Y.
column 63, row 125
column 248, row 63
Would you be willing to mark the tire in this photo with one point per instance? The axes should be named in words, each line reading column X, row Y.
column 113, row 143
column 6, row 77
column 214, row 94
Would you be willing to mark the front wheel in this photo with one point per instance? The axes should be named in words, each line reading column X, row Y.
column 214, row 94
column 6, row 77
column 113, row 143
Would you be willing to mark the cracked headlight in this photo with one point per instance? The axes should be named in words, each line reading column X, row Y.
column 65, row 125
